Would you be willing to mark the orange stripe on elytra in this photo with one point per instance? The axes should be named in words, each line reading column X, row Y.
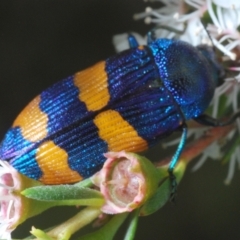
column 93, row 86
column 53, row 162
column 32, row 121
column 118, row 133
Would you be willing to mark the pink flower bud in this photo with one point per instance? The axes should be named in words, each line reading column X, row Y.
column 10, row 203
column 14, row 207
column 126, row 180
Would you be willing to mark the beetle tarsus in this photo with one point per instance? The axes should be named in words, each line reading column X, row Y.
column 173, row 182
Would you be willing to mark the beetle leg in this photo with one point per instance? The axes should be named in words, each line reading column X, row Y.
column 174, row 161
column 207, row 120
column 132, row 41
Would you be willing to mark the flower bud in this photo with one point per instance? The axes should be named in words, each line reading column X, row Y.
column 127, row 181
column 14, row 207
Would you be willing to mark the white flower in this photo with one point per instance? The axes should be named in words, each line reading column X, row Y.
column 213, row 151
column 224, row 31
column 10, row 207
column 14, row 207
column 120, row 41
column 182, row 19
column 175, row 20
column 176, row 15
column 233, row 4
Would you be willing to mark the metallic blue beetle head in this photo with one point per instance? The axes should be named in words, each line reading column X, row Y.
column 189, row 73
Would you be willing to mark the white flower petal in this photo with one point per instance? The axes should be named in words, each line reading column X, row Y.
column 212, row 14
column 121, row 43
column 200, row 163
column 213, row 151
column 232, row 4
column 231, row 169
column 230, row 18
column 195, row 33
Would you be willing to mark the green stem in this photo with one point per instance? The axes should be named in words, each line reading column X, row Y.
column 130, row 234
column 66, row 229
column 108, row 231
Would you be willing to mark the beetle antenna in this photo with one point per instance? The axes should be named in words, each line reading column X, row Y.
column 209, row 36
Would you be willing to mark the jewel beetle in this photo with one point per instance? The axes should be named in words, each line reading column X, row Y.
column 128, row 102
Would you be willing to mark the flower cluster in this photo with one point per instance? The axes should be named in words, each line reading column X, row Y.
column 126, row 183
column 212, row 22
column 15, row 208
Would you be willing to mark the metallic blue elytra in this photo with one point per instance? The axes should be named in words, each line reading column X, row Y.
column 128, row 102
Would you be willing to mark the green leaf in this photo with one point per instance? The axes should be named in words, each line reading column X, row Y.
column 130, row 234
column 108, row 231
column 158, row 200
column 84, row 183
column 65, row 195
